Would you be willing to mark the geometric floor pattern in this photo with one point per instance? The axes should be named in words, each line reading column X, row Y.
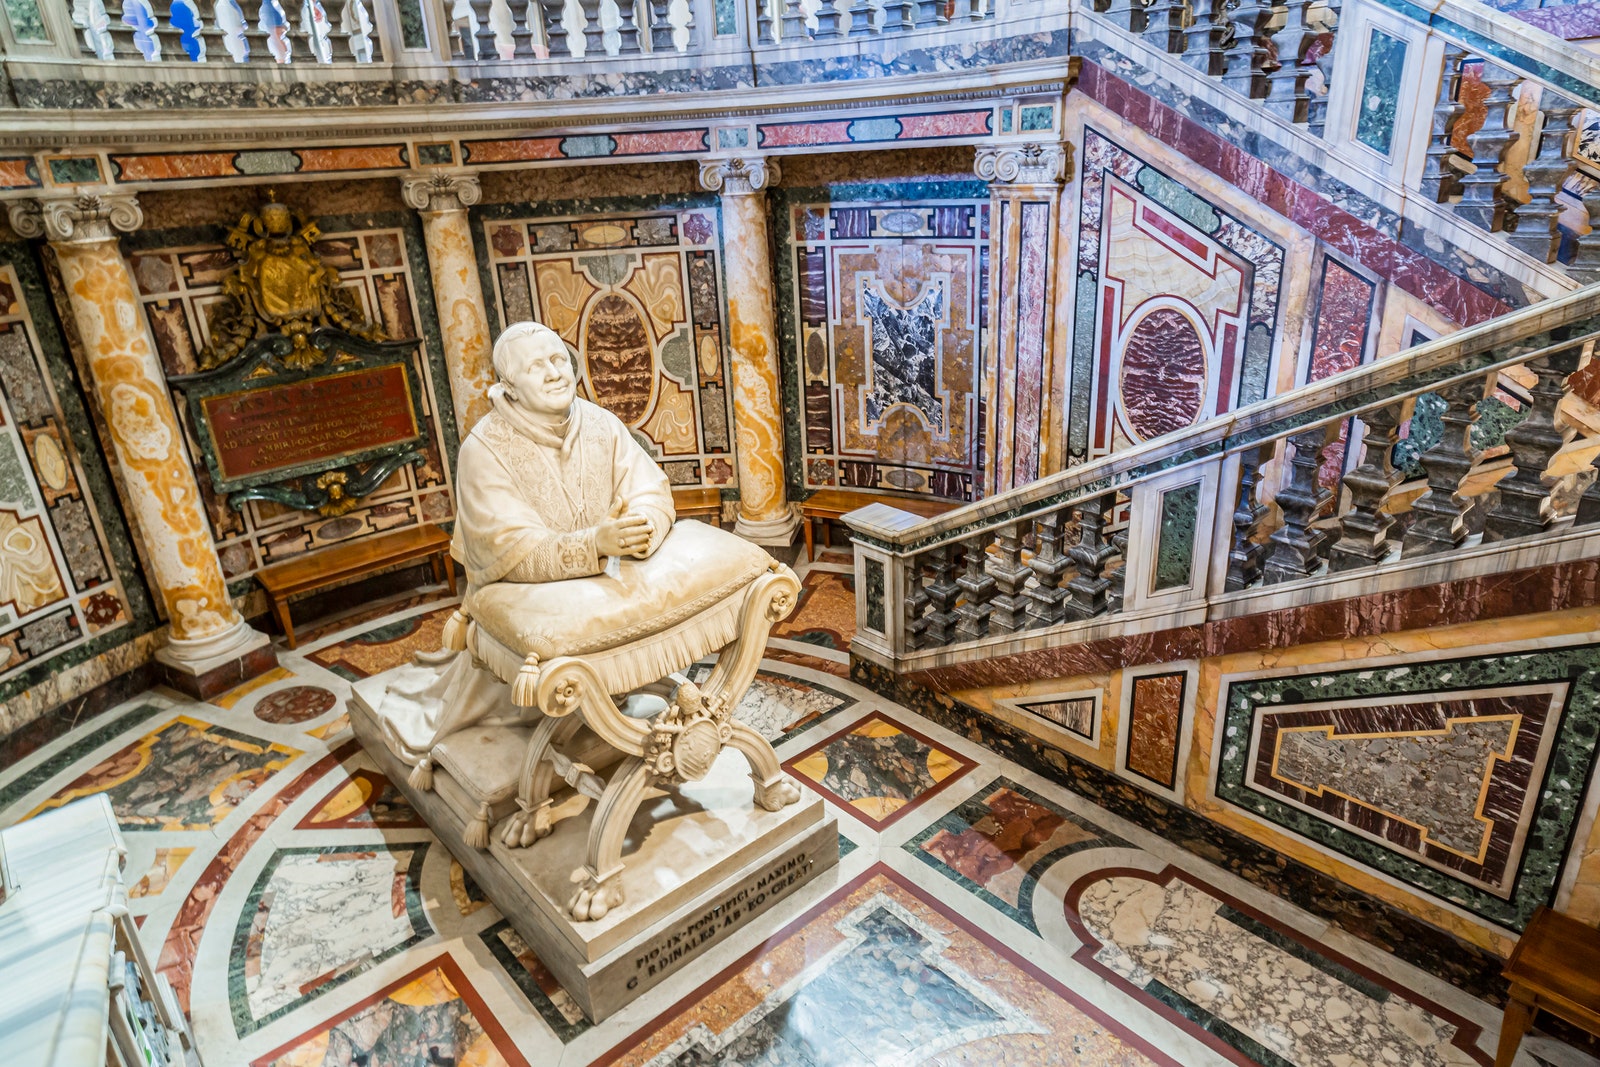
column 980, row 914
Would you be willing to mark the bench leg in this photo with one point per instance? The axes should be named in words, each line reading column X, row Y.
column 811, row 553
column 448, row 565
column 1518, row 1021
column 280, row 610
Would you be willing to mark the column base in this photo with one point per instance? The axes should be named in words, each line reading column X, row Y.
column 772, row 533
column 212, row 665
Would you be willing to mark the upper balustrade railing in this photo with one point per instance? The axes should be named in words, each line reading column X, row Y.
column 1470, row 449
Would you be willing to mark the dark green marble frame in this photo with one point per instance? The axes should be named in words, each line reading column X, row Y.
column 1559, row 797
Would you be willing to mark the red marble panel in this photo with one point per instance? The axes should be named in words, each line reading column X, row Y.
column 510, row 151
column 785, row 134
column 1154, row 722
column 178, row 165
column 363, row 157
column 649, row 144
column 949, row 124
column 17, row 174
column 1163, row 378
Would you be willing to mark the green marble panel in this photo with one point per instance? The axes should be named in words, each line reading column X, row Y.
column 413, row 32
column 27, row 22
column 875, row 619
column 1175, row 545
column 1038, row 118
column 1380, row 91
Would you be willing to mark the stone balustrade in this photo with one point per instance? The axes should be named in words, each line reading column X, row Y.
column 1459, row 447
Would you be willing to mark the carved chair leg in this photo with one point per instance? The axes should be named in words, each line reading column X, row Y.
column 599, row 887
column 773, row 788
column 532, row 819
column 769, row 599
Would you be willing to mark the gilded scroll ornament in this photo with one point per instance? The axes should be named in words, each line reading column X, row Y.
column 280, row 285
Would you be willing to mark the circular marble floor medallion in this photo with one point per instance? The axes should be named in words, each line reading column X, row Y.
column 298, row 703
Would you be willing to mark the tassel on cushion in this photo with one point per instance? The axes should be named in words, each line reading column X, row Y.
column 421, row 776
column 455, row 631
column 525, row 688
column 477, row 835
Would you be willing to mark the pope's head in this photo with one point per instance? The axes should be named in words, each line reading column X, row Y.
column 533, row 362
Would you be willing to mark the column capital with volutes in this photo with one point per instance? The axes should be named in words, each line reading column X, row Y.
column 441, row 190
column 739, row 175
column 79, row 218
column 1029, row 163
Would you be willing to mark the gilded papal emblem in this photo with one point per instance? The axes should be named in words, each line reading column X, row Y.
column 280, row 286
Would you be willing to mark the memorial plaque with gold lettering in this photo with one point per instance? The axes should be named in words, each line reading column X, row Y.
column 316, row 433
column 322, row 420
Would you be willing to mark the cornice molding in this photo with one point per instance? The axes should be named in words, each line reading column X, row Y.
column 739, row 175
column 81, row 218
column 441, row 190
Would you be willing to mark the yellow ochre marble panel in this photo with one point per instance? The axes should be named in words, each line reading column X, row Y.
column 757, row 407
column 463, row 319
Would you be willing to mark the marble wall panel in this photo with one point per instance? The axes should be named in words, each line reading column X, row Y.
column 68, row 585
column 882, row 320
column 1155, row 726
column 637, row 296
column 382, row 261
column 1345, row 304
column 1177, row 305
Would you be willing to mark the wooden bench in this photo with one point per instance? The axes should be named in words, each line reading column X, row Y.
column 1554, row 968
column 698, row 504
column 347, row 562
column 828, row 505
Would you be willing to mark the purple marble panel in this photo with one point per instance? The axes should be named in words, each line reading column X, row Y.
column 1033, row 305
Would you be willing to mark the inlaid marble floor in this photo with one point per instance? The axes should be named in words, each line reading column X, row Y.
column 980, row 914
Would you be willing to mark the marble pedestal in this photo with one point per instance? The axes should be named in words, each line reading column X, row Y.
column 702, row 861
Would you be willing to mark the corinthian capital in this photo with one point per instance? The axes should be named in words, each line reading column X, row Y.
column 1024, row 164
column 83, row 218
column 441, row 190
column 739, row 174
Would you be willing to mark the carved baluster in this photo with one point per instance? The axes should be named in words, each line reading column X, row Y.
column 828, row 16
column 481, row 42
column 1009, row 608
column 942, row 594
column 861, row 15
column 1364, row 529
column 1482, row 200
column 899, row 15
column 1117, row 579
column 1441, row 173
column 914, row 605
column 1287, row 95
column 1535, row 222
column 1439, row 514
column 1046, row 598
column 1244, row 557
column 628, row 27
column 594, row 35
column 1317, row 109
column 660, row 27
column 794, row 22
column 979, row 587
column 1207, row 37
column 930, row 13
column 1128, row 14
column 1245, row 61
column 1163, row 25
column 1589, row 502
column 555, row 34
column 1525, row 505
column 525, row 31
column 1292, row 548
column 765, row 30
column 1086, row 593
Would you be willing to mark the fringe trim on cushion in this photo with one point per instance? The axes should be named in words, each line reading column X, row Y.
column 525, row 687
column 421, row 776
column 626, row 668
column 455, row 631
column 477, row 835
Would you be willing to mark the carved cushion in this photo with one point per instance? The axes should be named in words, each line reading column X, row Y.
column 697, row 569
column 485, row 761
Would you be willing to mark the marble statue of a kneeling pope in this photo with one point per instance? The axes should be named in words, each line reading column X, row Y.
column 549, row 487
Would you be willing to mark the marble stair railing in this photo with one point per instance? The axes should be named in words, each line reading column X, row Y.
column 1465, row 445
column 791, row 22
column 227, row 31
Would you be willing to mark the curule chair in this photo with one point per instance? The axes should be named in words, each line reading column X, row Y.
column 567, row 647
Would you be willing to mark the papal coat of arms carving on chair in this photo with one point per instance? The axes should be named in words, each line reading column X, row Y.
column 281, row 286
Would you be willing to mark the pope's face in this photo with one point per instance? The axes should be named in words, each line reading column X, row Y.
column 541, row 374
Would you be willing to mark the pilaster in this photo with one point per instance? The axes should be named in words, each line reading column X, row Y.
column 765, row 514
column 442, row 198
column 210, row 647
column 1025, row 182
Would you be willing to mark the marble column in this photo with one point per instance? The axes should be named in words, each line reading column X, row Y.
column 1024, row 215
column 765, row 514
column 210, row 647
column 442, row 199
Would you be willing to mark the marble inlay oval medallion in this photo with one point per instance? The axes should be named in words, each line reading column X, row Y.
column 298, row 703
column 617, row 348
column 51, row 463
column 1163, row 379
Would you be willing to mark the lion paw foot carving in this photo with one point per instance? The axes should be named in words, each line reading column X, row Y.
column 523, row 828
column 593, row 901
column 778, row 795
